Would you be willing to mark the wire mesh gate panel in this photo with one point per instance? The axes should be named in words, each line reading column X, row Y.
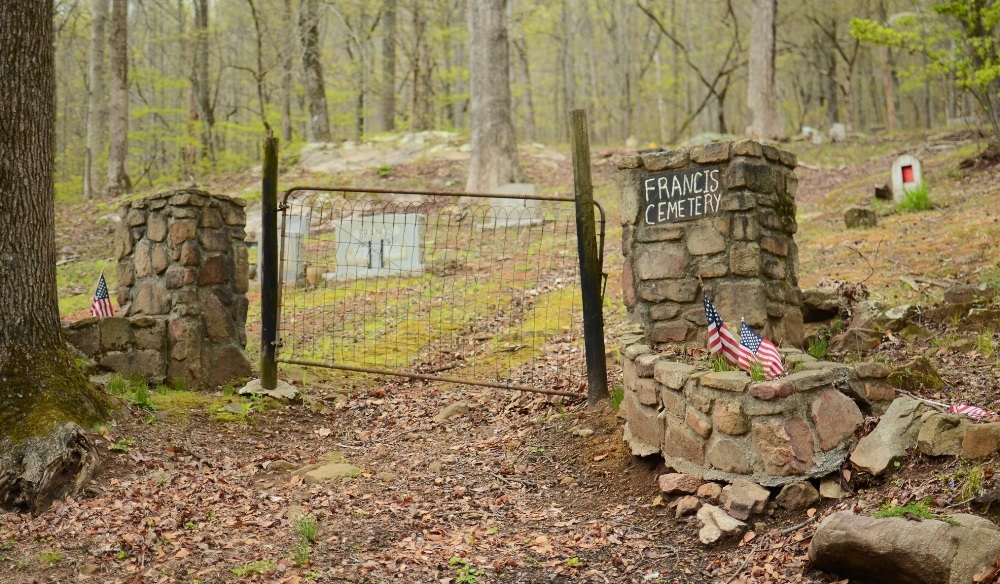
column 477, row 289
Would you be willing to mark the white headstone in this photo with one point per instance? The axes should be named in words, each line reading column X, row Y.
column 513, row 212
column 838, row 132
column 295, row 233
column 907, row 175
column 375, row 246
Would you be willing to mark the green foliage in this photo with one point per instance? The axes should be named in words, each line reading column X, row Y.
column 719, row 363
column 818, row 347
column 254, row 568
column 916, row 199
column 574, row 562
column 49, row 557
column 984, row 343
column 384, row 170
column 757, row 371
column 918, row 509
column 306, row 528
column 617, row 395
column 122, row 445
column 465, row 573
column 972, row 478
column 300, row 554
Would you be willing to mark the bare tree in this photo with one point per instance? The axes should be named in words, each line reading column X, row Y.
column 45, row 452
column 318, row 129
column 199, row 79
column 118, row 181
column 762, row 98
column 494, row 147
column 97, row 114
column 388, row 104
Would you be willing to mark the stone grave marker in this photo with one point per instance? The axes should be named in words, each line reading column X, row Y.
column 375, row 246
column 513, row 212
column 907, row 174
column 295, row 233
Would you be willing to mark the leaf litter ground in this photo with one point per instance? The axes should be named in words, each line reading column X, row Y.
column 513, row 491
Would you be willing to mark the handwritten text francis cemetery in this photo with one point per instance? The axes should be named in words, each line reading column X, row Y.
column 681, row 195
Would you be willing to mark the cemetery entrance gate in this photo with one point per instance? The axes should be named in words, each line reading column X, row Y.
column 478, row 289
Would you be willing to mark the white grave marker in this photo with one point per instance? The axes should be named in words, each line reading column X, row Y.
column 906, row 175
column 513, row 212
column 375, row 246
column 295, row 233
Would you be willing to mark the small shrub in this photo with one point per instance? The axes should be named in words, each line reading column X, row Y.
column 818, row 347
column 984, row 343
column 50, row 558
column 757, row 371
column 122, row 445
column 916, row 199
column 972, row 478
column 465, row 573
column 617, row 395
column 384, row 170
column 300, row 554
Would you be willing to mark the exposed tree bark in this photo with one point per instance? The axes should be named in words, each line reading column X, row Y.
column 494, row 148
column 318, row 129
column 199, row 79
column 44, row 451
column 762, row 93
column 286, row 81
column 388, row 102
column 118, row 180
column 97, row 115
column 260, row 73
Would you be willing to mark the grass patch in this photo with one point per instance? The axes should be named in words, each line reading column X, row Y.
column 253, row 568
column 818, row 347
column 972, row 478
column 918, row 509
column 719, row 364
column 306, row 527
column 916, row 199
column 757, row 371
column 617, row 394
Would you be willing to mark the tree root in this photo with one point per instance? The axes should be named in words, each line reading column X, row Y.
column 44, row 469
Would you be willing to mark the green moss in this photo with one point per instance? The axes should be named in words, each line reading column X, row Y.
column 41, row 389
column 915, row 375
column 785, row 208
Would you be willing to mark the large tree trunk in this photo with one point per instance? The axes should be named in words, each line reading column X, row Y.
column 388, row 105
column 762, row 98
column 44, row 451
column 318, row 129
column 97, row 114
column 118, row 181
column 287, row 82
column 199, row 79
column 494, row 147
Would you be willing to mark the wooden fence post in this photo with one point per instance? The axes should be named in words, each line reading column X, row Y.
column 268, row 261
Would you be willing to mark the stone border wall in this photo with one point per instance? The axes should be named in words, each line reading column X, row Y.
column 743, row 255
column 182, row 284
column 724, row 426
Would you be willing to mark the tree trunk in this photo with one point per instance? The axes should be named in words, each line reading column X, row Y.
column 388, row 104
column 118, row 181
column 97, row 115
column 494, row 148
column 199, row 79
column 762, row 98
column 44, row 451
column 287, row 82
column 830, row 91
column 318, row 129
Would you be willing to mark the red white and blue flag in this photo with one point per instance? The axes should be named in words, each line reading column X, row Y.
column 755, row 348
column 720, row 340
column 101, row 305
column 974, row 412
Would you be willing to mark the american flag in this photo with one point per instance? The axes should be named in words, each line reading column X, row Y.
column 101, row 305
column 974, row 412
column 755, row 348
column 720, row 340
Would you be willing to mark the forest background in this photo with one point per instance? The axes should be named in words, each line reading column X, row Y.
column 205, row 79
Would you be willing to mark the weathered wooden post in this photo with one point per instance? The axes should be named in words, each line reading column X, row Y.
column 590, row 264
column 269, row 282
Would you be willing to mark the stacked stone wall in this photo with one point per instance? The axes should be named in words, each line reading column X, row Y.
column 183, row 278
column 743, row 254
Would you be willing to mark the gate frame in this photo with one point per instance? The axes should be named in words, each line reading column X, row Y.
column 590, row 248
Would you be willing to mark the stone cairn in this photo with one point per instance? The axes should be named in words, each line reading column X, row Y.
column 719, row 219
column 183, row 278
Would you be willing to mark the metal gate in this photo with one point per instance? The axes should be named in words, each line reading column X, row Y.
column 478, row 289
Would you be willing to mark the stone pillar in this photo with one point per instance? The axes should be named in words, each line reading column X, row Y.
column 717, row 218
column 182, row 263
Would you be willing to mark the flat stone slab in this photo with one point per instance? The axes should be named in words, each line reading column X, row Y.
column 283, row 391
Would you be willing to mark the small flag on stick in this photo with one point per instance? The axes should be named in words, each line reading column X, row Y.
column 720, row 340
column 101, row 305
column 755, row 348
column 974, row 412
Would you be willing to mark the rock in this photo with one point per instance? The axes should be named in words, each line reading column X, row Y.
column 710, row 491
column 895, row 434
column 743, row 499
column 915, row 375
column 728, row 418
column 280, row 465
column 455, row 409
column 283, row 391
column 672, row 374
column 686, row 505
column 717, row 525
column 735, row 381
column 883, row 192
column 729, row 456
column 981, row 440
column 829, row 487
column 386, row 477
column 941, row 434
column 837, row 132
column 898, row 551
column 435, row 466
column 772, row 390
column 969, row 293
column 855, row 340
column 819, row 304
column 786, row 447
column 89, row 569
column 644, row 428
column 678, row 484
column 835, row 417
column 330, row 472
column 582, row 432
column 797, row 496
column 859, row 217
